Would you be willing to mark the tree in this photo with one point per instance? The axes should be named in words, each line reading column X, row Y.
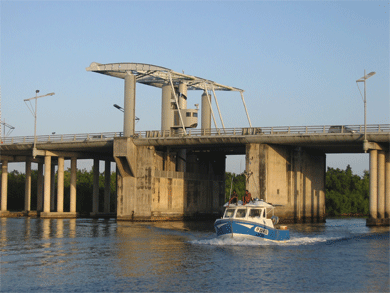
column 346, row 193
column 234, row 182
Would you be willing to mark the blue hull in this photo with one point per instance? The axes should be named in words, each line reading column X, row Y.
column 240, row 228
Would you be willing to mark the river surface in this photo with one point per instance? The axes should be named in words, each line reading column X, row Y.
column 89, row 255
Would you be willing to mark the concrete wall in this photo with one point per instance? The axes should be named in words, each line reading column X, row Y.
column 150, row 188
column 288, row 176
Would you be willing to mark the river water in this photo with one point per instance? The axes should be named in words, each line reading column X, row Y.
column 89, row 255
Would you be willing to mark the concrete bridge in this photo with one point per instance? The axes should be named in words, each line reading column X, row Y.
column 284, row 165
column 178, row 171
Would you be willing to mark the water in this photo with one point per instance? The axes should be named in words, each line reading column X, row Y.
column 86, row 255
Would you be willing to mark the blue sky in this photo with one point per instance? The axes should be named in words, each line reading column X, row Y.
column 296, row 60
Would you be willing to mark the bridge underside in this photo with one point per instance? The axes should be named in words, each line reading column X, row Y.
column 150, row 186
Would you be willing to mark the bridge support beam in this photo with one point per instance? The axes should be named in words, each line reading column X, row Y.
column 59, row 213
column 27, row 189
column 60, row 185
column 73, row 179
column 107, row 186
column 40, row 188
column 129, row 105
column 291, row 177
column 95, row 192
column 379, row 188
column 95, row 188
column 4, row 187
column 47, row 186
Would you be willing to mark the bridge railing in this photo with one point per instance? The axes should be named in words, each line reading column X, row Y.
column 278, row 130
column 61, row 138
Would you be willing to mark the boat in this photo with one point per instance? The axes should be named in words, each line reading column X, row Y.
column 254, row 220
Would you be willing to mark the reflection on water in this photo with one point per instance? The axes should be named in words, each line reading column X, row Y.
column 90, row 255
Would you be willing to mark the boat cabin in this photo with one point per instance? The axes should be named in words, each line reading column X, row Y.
column 257, row 211
column 245, row 212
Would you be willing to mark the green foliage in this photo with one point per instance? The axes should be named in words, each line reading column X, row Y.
column 346, row 193
column 84, row 189
column 239, row 184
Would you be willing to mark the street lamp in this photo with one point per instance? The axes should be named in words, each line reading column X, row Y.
column 34, row 112
column 363, row 79
column 123, row 110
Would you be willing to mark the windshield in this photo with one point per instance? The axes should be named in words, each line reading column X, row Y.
column 229, row 213
column 255, row 213
column 241, row 213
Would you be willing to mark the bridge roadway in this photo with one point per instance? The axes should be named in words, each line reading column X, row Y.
column 228, row 140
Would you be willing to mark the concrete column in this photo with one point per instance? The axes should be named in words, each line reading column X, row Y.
column 47, row 186
column 181, row 160
column 95, row 192
column 52, row 187
column 206, row 111
column 27, row 189
column 373, row 184
column 181, row 157
column 298, row 183
column 166, row 109
column 107, row 186
column 387, row 185
column 4, row 185
column 40, row 188
column 256, row 177
column 129, row 105
column 60, row 185
column 73, row 178
column 183, row 96
column 381, row 184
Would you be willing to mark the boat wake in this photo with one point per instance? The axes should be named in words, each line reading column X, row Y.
column 294, row 241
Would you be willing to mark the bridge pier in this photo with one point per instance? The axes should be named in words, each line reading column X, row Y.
column 291, row 177
column 4, row 188
column 379, row 188
column 150, row 186
column 95, row 190
column 49, row 209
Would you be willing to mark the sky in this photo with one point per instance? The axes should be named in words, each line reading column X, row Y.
column 298, row 62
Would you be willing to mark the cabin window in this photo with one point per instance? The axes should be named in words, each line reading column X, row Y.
column 255, row 213
column 188, row 114
column 241, row 213
column 194, row 114
column 229, row 213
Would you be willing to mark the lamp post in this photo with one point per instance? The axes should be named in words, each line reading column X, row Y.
column 123, row 110
column 363, row 79
column 34, row 112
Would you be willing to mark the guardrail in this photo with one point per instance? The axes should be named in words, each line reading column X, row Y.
column 279, row 130
column 62, row 138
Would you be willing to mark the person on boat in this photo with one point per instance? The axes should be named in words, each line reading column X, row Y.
column 247, row 197
column 233, row 198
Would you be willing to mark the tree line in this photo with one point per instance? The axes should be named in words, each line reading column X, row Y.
column 345, row 194
column 84, row 184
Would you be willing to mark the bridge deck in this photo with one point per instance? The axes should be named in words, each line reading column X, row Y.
column 346, row 139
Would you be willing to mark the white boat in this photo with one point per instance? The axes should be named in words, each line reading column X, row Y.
column 254, row 220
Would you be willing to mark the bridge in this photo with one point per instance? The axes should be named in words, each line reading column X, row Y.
column 178, row 171
column 100, row 146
